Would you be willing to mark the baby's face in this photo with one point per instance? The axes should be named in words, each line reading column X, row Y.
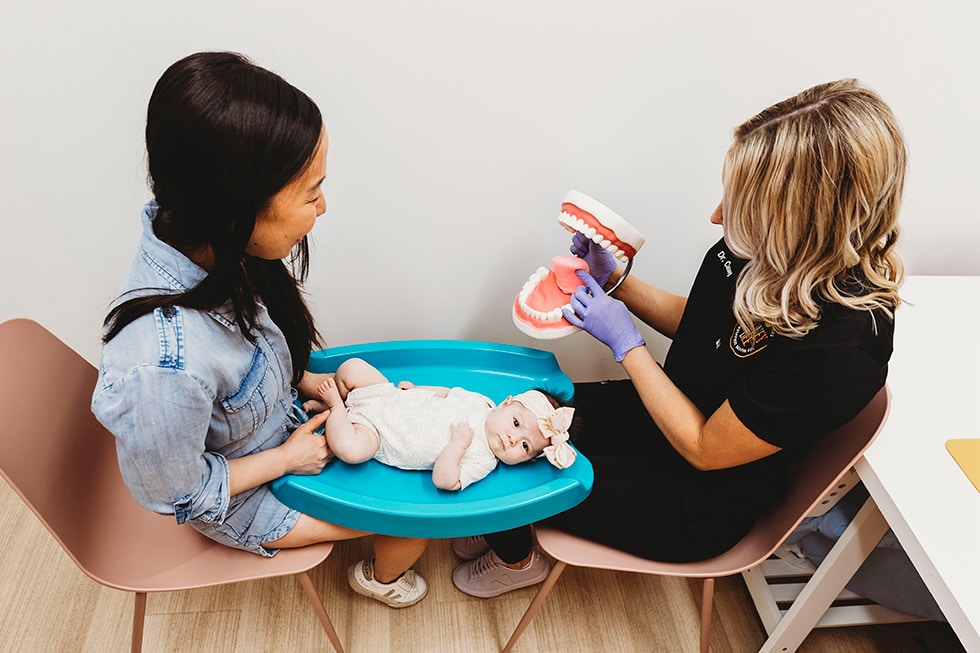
column 513, row 433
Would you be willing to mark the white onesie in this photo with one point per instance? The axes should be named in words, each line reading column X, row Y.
column 413, row 426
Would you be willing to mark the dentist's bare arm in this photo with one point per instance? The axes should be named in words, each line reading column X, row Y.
column 717, row 441
column 658, row 308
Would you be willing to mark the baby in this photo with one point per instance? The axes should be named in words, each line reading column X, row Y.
column 416, row 427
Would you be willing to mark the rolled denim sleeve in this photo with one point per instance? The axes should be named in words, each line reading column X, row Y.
column 160, row 417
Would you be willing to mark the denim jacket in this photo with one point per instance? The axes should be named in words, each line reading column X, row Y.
column 183, row 391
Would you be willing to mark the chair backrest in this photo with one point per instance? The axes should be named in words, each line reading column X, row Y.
column 63, row 464
column 52, row 450
column 822, row 467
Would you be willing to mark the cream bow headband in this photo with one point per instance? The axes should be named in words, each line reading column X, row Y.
column 554, row 423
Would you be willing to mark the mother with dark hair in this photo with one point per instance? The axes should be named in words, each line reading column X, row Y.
column 207, row 343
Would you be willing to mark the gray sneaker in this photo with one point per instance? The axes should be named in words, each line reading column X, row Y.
column 488, row 576
column 470, row 548
column 408, row 589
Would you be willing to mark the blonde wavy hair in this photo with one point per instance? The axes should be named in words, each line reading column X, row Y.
column 813, row 186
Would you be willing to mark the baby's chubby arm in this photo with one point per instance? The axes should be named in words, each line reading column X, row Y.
column 439, row 391
column 445, row 471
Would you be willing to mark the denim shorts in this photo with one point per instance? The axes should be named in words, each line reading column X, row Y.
column 253, row 518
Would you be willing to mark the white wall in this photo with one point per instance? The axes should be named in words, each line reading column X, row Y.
column 456, row 128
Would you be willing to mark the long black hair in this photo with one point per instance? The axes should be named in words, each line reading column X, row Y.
column 223, row 136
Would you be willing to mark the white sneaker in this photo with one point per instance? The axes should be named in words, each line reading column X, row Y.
column 408, row 589
column 488, row 576
column 470, row 548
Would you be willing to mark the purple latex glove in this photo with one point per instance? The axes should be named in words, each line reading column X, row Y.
column 601, row 263
column 606, row 319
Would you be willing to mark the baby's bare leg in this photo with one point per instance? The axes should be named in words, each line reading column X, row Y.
column 356, row 373
column 352, row 373
column 352, row 443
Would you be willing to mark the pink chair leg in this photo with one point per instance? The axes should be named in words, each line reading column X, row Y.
column 707, row 602
column 532, row 609
column 321, row 612
column 139, row 612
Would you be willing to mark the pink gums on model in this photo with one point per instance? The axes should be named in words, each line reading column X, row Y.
column 537, row 308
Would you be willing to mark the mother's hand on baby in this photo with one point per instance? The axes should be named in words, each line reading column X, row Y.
column 304, row 451
column 601, row 263
column 606, row 319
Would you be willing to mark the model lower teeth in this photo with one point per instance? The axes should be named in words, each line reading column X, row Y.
column 551, row 316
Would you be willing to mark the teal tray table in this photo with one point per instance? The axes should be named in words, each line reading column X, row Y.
column 380, row 499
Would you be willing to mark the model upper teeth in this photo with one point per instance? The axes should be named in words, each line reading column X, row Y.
column 551, row 316
column 589, row 232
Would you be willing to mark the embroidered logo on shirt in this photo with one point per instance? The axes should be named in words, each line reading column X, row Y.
column 744, row 344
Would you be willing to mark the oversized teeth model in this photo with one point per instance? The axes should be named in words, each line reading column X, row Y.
column 537, row 309
column 602, row 225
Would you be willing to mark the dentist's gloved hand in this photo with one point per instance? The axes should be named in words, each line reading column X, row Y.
column 606, row 319
column 601, row 263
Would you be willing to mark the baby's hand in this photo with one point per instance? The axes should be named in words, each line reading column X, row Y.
column 461, row 434
column 405, row 385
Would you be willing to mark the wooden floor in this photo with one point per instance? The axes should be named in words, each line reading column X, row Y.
column 47, row 604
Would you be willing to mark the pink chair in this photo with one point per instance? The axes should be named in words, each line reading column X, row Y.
column 824, row 465
column 62, row 463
